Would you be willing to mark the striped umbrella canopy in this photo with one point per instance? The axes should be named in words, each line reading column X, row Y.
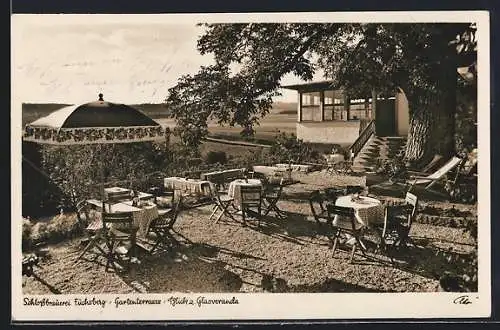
column 94, row 123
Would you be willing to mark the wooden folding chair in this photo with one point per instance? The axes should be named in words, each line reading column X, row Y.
column 320, row 214
column 351, row 228
column 221, row 204
column 162, row 227
column 349, row 190
column 271, row 196
column 398, row 221
column 332, row 193
column 118, row 228
column 251, row 203
column 113, row 198
column 92, row 231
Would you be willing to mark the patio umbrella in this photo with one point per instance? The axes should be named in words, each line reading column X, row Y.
column 99, row 122
column 94, row 123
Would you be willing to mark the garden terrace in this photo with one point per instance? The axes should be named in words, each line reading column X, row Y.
column 283, row 255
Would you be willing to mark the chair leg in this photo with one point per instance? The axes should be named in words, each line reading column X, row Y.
column 335, row 243
column 213, row 213
column 259, row 214
column 352, row 253
column 219, row 216
column 90, row 245
column 243, row 216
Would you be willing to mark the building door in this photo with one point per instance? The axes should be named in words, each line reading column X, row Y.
column 385, row 118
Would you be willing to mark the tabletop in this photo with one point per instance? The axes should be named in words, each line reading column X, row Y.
column 368, row 210
column 143, row 215
column 120, row 190
column 116, row 190
column 194, row 186
column 234, row 188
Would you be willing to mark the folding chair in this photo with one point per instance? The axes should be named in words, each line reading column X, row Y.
column 430, row 180
column 251, row 203
column 398, row 221
column 92, row 232
column 351, row 227
column 349, row 190
column 162, row 226
column 115, row 197
column 271, row 196
column 333, row 193
column 221, row 203
column 118, row 228
column 320, row 214
column 163, row 197
column 435, row 161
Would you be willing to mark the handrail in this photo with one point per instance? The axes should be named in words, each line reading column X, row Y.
column 363, row 137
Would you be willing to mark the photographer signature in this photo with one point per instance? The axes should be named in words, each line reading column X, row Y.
column 462, row 300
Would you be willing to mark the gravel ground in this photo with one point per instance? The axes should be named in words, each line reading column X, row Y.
column 280, row 256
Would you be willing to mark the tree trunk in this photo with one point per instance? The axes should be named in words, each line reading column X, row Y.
column 432, row 120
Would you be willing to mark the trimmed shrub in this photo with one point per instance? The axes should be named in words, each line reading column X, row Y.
column 214, row 157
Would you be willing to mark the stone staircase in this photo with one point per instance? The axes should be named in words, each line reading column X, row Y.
column 377, row 149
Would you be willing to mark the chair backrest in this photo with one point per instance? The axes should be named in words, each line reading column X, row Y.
column 443, row 170
column 218, row 182
column 175, row 212
column 123, row 219
column 273, row 187
column 333, row 193
column 411, row 199
column 117, row 196
column 353, row 190
column 342, row 211
column 251, row 195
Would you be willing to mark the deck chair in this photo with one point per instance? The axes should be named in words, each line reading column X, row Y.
column 430, row 180
column 271, row 196
column 221, row 202
column 317, row 204
column 398, row 221
column 251, row 203
column 435, row 161
column 162, row 226
column 346, row 225
column 118, row 228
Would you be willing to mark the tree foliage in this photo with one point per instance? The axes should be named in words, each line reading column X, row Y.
column 251, row 59
column 75, row 172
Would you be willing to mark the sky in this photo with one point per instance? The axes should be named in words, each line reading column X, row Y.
column 130, row 60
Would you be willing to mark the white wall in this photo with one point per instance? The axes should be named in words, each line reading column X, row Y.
column 341, row 132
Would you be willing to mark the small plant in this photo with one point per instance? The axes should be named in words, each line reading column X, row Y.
column 395, row 168
column 287, row 148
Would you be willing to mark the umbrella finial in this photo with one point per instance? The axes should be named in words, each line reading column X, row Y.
column 101, row 97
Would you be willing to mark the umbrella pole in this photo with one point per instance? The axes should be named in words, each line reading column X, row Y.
column 101, row 174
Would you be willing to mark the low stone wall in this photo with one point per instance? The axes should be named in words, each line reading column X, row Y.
column 338, row 132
